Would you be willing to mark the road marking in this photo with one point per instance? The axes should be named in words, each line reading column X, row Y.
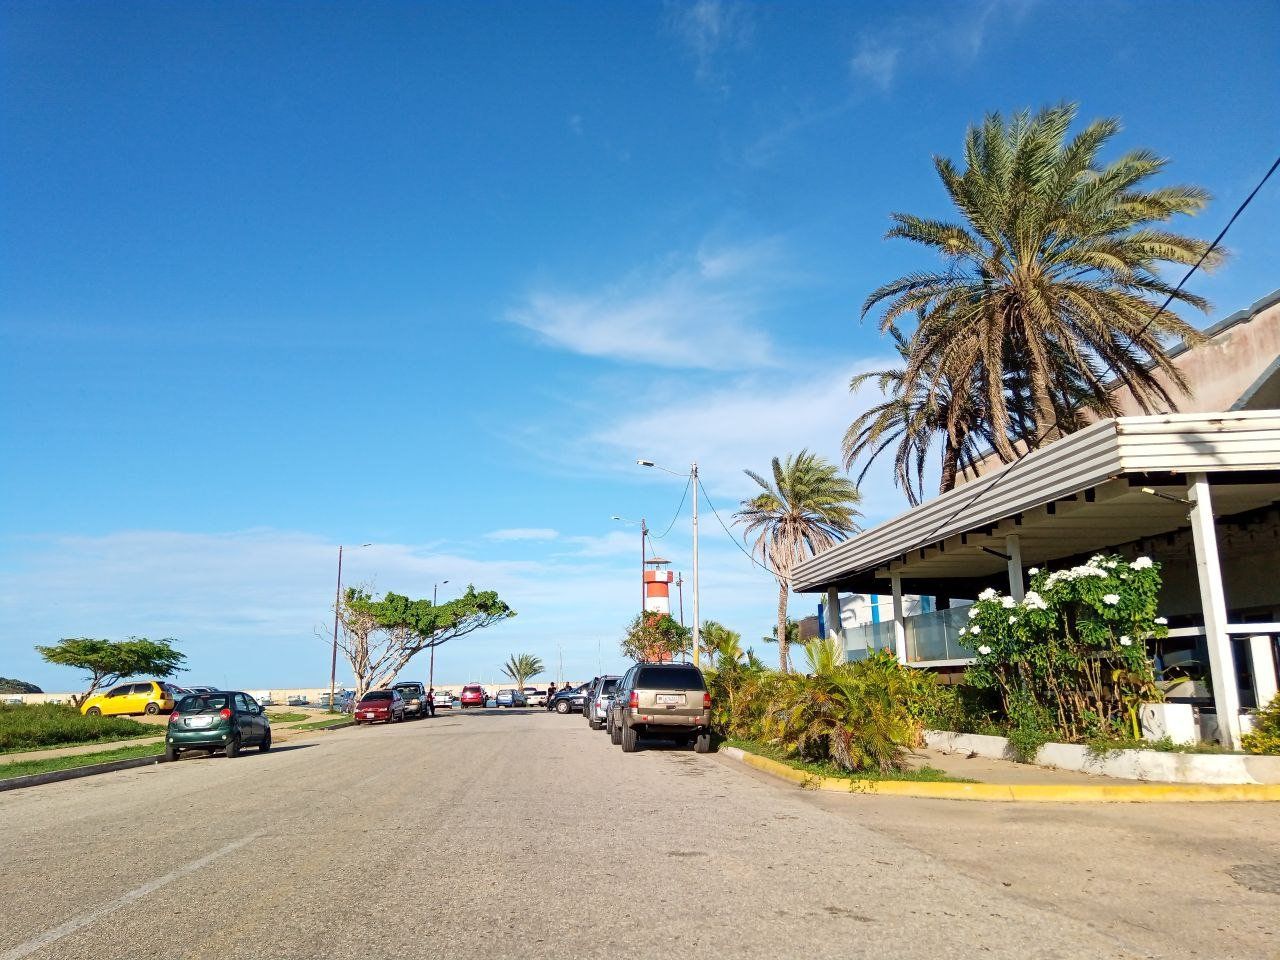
column 84, row 919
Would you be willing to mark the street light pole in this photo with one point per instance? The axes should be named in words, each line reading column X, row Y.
column 337, row 605
column 644, row 556
column 431, row 670
column 697, row 623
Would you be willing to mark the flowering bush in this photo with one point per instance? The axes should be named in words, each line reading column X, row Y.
column 1071, row 658
column 1266, row 730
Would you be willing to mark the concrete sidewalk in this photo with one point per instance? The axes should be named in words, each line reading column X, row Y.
column 986, row 770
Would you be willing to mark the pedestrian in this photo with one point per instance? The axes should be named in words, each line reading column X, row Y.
column 431, row 702
column 551, row 693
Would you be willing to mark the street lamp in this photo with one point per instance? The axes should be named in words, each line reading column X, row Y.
column 644, row 532
column 431, row 670
column 337, row 605
column 693, row 479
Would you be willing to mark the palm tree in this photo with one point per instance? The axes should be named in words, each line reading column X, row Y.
column 724, row 645
column 1052, row 274
column 520, row 668
column 807, row 508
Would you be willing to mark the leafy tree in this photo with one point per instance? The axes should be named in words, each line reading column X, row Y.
column 1050, row 281
column 807, row 508
column 656, row 638
column 520, row 668
column 380, row 637
column 107, row 662
column 793, row 632
column 723, row 644
column 17, row 686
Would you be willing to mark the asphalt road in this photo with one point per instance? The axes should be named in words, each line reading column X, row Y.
column 527, row 835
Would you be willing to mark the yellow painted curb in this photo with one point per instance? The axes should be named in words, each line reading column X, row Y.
column 1019, row 792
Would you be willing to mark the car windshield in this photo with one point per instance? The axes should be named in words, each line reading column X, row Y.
column 377, row 695
column 406, row 687
column 670, row 678
column 203, row 703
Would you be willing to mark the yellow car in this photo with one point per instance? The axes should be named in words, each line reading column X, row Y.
column 149, row 697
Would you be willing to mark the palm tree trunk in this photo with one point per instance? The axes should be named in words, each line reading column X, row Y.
column 784, row 658
column 948, row 467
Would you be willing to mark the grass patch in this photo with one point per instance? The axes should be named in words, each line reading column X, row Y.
column 919, row 775
column 40, row 725
column 25, row 768
column 286, row 717
column 338, row 721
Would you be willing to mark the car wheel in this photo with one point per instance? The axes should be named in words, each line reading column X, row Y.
column 232, row 749
column 615, row 734
column 562, row 706
column 265, row 745
column 170, row 754
column 93, row 712
column 153, row 708
column 630, row 740
column 702, row 743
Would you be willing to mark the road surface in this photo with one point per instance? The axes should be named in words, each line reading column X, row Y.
column 524, row 834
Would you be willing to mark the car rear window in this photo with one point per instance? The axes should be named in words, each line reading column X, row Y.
column 378, row 695
column 205, row 703
column 470, row 689
column 670, row 678
column 609, row 685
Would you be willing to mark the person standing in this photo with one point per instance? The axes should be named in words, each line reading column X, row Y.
column 551, row 693
column 431, row 702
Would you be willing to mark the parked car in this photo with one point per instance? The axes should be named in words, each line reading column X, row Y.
column 535, row 696
column 226, row 721
column 664, row 699
column 444, row 699
column 570, row 699
column 596, row 708
column 511, row 697
column 415, row 698
column 153, row 696
column 386, row 706
column 297, row 700
column 342, row 701
column 472, row 696
column 201, row 689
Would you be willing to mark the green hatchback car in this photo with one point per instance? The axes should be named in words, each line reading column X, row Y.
column 226, row 720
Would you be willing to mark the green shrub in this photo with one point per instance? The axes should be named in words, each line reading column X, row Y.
column 33, row 726
column 1265, row 737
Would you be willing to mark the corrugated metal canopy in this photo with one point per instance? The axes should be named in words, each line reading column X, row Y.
column 941, row 538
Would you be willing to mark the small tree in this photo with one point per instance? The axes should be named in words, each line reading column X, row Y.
column 656, row 638
column 521, row 668
column 107, row 662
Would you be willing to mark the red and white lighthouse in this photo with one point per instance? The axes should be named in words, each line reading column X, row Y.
column 657, row 586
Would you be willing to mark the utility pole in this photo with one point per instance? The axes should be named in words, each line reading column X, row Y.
column 697, row 623
column 680, row 591
column 337, row 605
column 644, row 556
column 431, row 670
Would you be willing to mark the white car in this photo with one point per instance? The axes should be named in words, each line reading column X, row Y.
column 535, row 697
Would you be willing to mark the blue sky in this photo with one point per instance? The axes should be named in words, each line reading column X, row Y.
column 280, row 276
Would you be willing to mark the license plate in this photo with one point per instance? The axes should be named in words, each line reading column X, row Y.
column 667, row 698
column 368, row 716
column 199, row 721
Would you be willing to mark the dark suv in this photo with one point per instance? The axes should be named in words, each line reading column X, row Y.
column 661, row 699
column 415, row 698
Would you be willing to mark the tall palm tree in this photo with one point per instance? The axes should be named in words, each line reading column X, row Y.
column 1053, row 272
column 521, row 667
column 808, row 507
column 724, row 645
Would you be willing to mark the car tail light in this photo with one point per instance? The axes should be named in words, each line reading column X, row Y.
column 225, row 713
column 706, row 701
column 173, row 717
column 634, row 701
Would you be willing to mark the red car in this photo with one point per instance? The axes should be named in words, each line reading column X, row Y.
column 376, row 705
column 472, row 696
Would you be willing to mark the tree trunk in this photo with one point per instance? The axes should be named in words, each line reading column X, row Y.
column 784, row 656
column 948, row 467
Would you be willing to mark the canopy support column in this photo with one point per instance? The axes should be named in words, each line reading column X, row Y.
column 899, row 626
column 1213, row 602
column 1013, row 546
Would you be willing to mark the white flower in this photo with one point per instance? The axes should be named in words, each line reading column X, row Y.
column 1013, row 620
column 1111, row 598
column 987, row 594
column 1033, row 601
column 975, row 630
column 984, row 649
column 973, row 612
column 1007, row 602
column 1162, row 620
column 1141, row 563
column 1110, row 564
column 1033, row 571
column 1125, row 642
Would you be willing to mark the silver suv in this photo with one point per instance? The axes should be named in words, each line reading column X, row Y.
column 661, row 699
column 596, row 709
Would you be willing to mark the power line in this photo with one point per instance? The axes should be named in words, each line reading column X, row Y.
column 762, row 566
column 1110, row 365
column 683, row 497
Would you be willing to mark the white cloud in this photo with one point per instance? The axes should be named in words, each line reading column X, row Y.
column 709, row 28
column 523, row 533
column 876, row 62
column 615, row 543
column 694, row 311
